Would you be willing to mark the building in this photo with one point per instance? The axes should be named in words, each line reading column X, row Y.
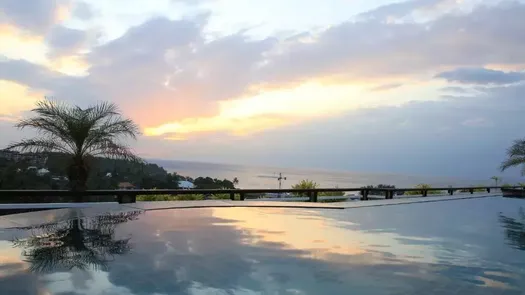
column 42, row 172
column 184, row 184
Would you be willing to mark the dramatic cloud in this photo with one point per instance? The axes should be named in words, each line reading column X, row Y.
column 395, row 11
column 189, row 82
column 481, row 76
column 37, row 16
column 83, row 11
column 66, row 41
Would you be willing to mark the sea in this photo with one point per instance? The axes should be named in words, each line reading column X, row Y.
column 267, row 177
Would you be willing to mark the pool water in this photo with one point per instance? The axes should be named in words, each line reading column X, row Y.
column 472, row 246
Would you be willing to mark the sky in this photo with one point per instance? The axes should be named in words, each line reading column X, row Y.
column 429, row 87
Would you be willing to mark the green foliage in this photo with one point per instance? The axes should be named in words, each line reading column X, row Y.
column 477, row 190
column 304, row 184
column 422, row 187
column 79, row 133
column 515, row 156
column 380, row 186
column 331, row 194
column 506, row 185
column 189, row 197
column 212, row 183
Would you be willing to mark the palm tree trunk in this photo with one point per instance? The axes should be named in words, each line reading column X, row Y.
column 78, row 174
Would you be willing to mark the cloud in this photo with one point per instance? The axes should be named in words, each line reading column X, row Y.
column 456, row 90
column 66, row 41
column 476, row 122
column 401, row 9
column 372, row 49
column 83, row 11
column 481, row 76
column 179, row 81
column 36, row 16
column 386, row 87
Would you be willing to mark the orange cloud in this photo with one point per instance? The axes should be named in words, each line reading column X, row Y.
column 247, row 115
column 18, row 44
column 16, row 98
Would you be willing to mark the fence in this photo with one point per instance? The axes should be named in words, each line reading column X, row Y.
column 130, row 196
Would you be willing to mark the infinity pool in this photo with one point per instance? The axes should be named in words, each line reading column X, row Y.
column 472, row 246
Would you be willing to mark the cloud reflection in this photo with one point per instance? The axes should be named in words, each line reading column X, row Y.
column 260, row 251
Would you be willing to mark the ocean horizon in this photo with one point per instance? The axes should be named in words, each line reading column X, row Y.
column 253, row 176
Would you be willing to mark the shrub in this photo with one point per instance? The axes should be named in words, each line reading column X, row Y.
column 380, row 186
column 332, row 194
column 305, row 184
column 422, row 186
column 477, row 190
column 191, row 197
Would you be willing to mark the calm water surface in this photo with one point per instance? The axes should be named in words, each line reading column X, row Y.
column 250, row 176
column 452, row 247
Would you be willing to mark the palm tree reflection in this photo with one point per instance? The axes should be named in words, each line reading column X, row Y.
column 83, row 243
column 514, row 229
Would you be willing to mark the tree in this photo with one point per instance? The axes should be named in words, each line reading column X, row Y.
column 515, row 156
column 496, row 179
column 212, row 183
column 81, row 243
column 79, row 133
column 514, row 229
column 235, row 181
column 305, row 184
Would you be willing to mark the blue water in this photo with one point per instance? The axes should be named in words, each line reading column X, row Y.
column 471, row 246
column 250, row 176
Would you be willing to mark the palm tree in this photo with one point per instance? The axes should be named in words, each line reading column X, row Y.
column 514, row 229
column 82, row 243
column 496, row 179
column 235, row 181
column 515, row 156
column 80, row 133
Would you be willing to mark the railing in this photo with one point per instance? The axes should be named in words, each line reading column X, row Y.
column 130, row 196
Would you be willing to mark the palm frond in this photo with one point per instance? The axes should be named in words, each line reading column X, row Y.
column 515, row 156
column 42, row 145
column 48, row 127
column 517, row 149
column 111, row 149
column 101, row 111
column 512, row 162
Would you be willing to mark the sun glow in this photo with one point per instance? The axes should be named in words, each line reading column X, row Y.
column 273, row 108
column 19, row 45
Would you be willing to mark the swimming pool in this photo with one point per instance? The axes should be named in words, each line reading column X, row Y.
column 473, row 246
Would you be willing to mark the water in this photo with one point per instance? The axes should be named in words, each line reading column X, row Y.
column 250, row 176
column 452, row 247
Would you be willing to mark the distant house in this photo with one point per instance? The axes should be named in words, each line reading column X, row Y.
column 32, row 168
column 184, row 184
column 125, row 185
column 42, row 172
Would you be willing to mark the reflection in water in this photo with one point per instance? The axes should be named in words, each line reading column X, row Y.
column 250, row 251
column 514, row 229
column 81, row 243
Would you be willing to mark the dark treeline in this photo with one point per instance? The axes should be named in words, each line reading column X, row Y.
column 104, row 173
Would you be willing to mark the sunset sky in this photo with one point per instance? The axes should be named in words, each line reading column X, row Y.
column 432, row 87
